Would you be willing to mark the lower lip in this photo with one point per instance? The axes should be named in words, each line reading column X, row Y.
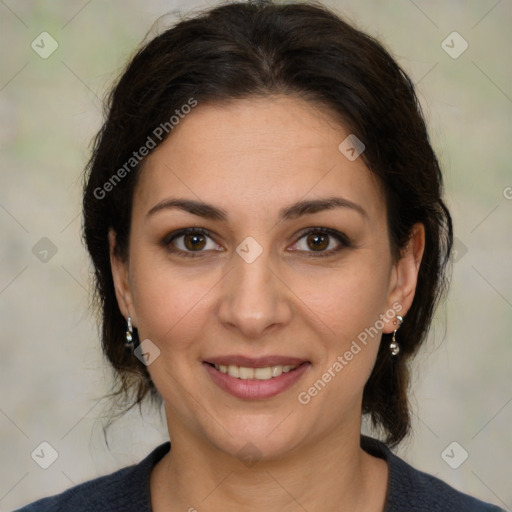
column 255, row 389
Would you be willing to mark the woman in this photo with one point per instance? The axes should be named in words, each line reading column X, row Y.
column 264, row 213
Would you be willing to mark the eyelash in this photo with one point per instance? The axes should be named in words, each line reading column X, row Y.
column 167, row 241
column 343, row 240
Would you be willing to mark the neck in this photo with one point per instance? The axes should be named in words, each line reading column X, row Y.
column 333, row 473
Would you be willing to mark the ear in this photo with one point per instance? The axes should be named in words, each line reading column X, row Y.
column 121, row 281
column 404, row 275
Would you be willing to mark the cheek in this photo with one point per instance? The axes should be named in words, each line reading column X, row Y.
column 348, row 310
column 346, row 300
column 171, row 305
column 346, row 305
column 173, row 313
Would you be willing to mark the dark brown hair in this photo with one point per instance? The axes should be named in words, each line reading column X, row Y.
column 243, row 50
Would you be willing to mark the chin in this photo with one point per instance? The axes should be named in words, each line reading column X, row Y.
column 256, row 437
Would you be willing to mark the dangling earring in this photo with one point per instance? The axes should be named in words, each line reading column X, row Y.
column 394, row 347
column 129, row 333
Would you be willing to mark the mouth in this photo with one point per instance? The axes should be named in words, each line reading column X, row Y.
column 255, row 378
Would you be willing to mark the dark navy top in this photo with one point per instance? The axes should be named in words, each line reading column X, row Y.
column 127, row 490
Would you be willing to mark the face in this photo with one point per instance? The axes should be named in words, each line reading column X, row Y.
column 257, row 248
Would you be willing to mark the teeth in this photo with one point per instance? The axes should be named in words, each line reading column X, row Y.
column 276, row 371
column 233, row 370
column 263, row 373
column 245, row 373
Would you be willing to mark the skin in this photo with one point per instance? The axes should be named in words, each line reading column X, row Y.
column 252, row 158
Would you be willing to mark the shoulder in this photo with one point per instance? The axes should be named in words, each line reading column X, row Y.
column 410, row 489
column 126, row 489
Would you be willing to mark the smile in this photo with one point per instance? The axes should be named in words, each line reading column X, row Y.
column 255, row 379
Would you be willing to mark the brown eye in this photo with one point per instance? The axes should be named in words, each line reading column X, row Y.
column 194, row 242
column 317, row 241
column 190, row 242
column 321, row 242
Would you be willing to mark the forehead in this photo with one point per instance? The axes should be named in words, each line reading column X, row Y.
column 253, row 156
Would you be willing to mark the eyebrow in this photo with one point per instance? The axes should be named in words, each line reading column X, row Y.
column 304, row 207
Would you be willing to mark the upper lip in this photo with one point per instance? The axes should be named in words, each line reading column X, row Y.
column 255, row 362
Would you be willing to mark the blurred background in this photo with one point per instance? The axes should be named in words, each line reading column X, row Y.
column 59, row 58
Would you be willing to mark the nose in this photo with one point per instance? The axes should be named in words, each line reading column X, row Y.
column 255, row 300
